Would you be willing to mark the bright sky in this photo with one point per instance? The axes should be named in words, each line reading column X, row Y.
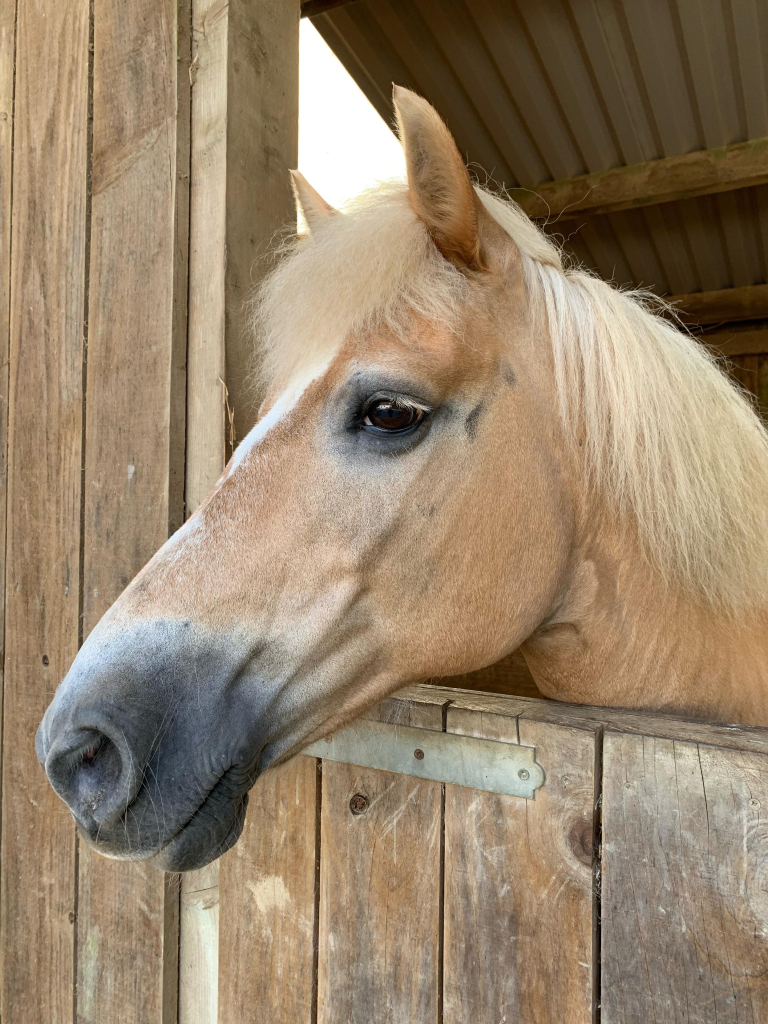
column 344, row 146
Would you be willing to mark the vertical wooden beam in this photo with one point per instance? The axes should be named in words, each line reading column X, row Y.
column 262, row 144
column 518, row 884
column 44, row 485
column 380, row 891
column 266, row 962
column 244, row 74
column 7, row 54
column 127, row 920
column 683, row 897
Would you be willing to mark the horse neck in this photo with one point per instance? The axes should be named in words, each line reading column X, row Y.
column 620, row 636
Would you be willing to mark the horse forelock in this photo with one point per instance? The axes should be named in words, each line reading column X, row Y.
column 664, row 436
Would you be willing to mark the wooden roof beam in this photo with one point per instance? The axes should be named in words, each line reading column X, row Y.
column 311, row 8
column 722, row 307
column 657, row 181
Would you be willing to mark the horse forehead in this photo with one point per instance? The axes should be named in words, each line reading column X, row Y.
column 429, row 348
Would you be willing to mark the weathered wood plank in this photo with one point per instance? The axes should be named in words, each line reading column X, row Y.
column 740, row 165
column 262, row 143
column 244, row 74
column 379, row 940
column 206, row 447
column 7, row 48
column 267, row 902
column 199, row 946
column 206, row 366
column 749, row 302
column 762, row 385
column 127, row 966
column 737, row 737
column 45, row 427
column 684, row 910
column 736, row 341
column 519, row 907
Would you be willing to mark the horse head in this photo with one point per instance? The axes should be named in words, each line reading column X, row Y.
column 406, row 507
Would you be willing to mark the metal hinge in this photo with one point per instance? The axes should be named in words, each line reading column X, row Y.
column 488, row 765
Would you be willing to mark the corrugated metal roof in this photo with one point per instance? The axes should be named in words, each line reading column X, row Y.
column 539, row 90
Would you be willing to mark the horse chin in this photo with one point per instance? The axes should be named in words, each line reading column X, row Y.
column 207, row 835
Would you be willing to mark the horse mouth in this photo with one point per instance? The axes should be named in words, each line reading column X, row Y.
column 211, row 830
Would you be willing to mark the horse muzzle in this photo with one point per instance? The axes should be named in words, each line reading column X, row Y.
column 153, row 739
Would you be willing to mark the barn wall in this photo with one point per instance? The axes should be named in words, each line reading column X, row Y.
column 102, row 133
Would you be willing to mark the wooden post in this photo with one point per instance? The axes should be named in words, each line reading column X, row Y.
column 127, row 938
column 244, row 74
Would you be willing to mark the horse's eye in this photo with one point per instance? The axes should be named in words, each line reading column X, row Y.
column 387, row 415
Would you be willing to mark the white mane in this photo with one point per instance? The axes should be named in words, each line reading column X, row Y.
column 666, row 435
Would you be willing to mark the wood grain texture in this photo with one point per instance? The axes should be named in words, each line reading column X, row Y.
column 44, row 472
column 580, row 716
column 379, row 936
column 749, row 302
column 267, row 903
column 705, row 172
column 262, row 144
column 206, row 446
column 206, row 364
column 518, row 885
column 199, row 946
column 737, row 341
column 685, row 875
column 7, row 48
column 126, row 926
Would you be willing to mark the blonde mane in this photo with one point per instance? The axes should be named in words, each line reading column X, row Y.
column 666, row 436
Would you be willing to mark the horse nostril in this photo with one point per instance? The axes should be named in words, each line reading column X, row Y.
column 92, row 775
column 89, row 755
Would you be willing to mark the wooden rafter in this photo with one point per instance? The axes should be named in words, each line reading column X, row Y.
column 737, row 342
column 724, row 306
column 657, row 181
column 311, row 8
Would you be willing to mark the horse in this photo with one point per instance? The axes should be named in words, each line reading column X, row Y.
column 466, row 446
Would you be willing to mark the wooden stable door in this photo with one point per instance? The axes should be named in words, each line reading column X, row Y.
column 630, row 888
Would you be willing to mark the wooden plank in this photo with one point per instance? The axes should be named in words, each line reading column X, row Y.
column 722, row 306
column 684, row 936
column 127, row 938
column 267, row 902
column 581, row 716
column 262, row 143
column 206, row 365
column 519, row 909
column 740, row 165
column 206, row 446
column 205, row 451
column 199, row 946
column 37, row 875
column 737, row 342
column 311, row 8
column 379, row 932
column 7, row 48
column 762, row 385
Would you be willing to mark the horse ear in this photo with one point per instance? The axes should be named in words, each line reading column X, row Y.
column 439, row 186
column 310, row 203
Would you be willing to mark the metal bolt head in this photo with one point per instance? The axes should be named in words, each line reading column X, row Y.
column 524, row 774
column 359, row 803
column 418, row 754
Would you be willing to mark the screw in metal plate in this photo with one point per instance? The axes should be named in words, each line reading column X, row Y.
column 418, row 754
column 359, row 804
column 524, row 774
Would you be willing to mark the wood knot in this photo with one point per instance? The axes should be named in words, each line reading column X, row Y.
column 580, row 841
